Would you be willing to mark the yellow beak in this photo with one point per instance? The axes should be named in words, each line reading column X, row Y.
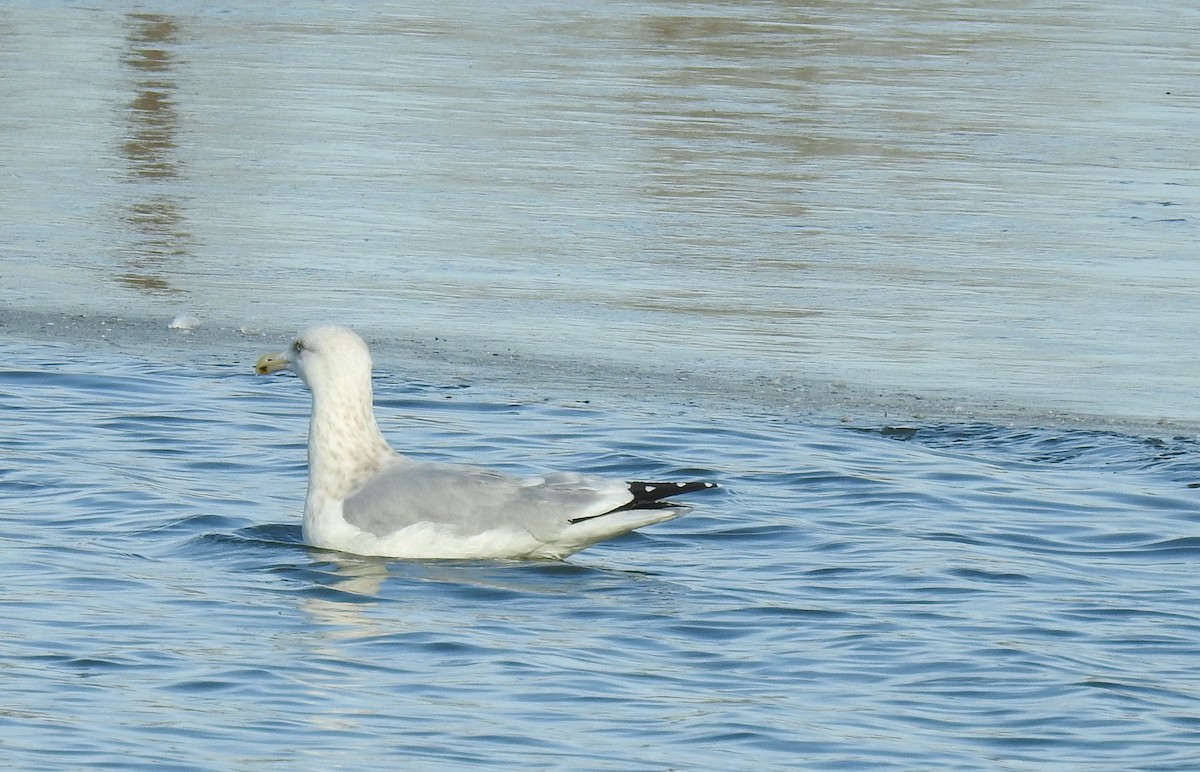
column 271, row 363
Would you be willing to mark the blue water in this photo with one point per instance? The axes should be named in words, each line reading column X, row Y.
column 857, row 596
column 917, row 283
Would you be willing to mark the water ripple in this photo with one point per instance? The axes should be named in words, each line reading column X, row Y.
column 959, row 596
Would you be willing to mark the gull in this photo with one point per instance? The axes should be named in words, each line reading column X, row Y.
column 365, row 498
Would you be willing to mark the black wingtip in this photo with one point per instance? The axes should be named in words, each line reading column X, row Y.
column 653, row 495
column 649, row 492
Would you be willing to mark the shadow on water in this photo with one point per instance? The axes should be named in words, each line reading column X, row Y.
column 1174, row 456
column 263, row 545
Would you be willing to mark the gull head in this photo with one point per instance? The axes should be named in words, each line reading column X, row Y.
column 321, row 356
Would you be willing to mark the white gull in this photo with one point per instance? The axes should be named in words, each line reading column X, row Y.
column 365, row 498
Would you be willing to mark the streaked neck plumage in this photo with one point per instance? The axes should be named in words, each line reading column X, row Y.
column 345, row 445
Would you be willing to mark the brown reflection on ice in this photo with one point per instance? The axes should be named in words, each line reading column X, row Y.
column 156, row 215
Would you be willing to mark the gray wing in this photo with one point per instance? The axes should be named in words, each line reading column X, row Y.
column 473, row 500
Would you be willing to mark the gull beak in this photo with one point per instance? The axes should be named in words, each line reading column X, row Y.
column 271, row 363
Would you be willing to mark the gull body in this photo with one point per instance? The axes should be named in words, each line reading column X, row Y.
column 364, row 497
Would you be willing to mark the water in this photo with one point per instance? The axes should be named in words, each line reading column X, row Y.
column 957, row 596
column 916, row 284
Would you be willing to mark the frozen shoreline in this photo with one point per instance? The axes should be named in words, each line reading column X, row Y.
column 527, row 376
column 587, row 210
